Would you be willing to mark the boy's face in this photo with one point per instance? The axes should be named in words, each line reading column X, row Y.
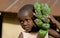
column 26, row 20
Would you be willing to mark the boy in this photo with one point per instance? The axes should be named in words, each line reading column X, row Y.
column 26, row 19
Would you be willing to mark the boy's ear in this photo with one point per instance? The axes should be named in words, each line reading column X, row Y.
column 34, row 14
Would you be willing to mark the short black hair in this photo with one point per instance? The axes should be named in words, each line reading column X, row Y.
column 25, row 8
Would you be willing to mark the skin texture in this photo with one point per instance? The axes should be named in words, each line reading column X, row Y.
column 27, row 23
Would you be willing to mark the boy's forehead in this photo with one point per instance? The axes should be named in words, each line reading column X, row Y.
column 26, row 14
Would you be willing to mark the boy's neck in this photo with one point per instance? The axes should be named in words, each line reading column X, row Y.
column 35, row 29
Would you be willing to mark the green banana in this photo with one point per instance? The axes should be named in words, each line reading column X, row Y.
column 38, row 22
column 42, row 32
column 45, row 9
column 45, row 20
column 45, row 26
column 38, row 16
column 37, row 7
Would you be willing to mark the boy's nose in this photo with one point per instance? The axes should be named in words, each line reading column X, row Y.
column 25, row 23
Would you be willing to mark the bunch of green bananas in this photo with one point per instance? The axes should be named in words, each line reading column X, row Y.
column 45, row 9
column 41, row 10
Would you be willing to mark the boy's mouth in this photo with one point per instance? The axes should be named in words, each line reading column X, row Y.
column 27, row 28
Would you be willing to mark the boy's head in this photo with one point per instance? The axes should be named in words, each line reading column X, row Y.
column 26, row 16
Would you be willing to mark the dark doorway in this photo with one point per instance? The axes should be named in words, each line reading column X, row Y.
column 1, row 25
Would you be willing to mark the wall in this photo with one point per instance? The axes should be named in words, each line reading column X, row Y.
column 10, row 26
column 13, row 6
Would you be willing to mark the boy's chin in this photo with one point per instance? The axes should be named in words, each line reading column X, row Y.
column 28, row 30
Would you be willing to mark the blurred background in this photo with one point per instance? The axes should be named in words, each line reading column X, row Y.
column 10, row 27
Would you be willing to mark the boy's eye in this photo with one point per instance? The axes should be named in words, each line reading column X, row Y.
column 21, row 21
column 26, row 19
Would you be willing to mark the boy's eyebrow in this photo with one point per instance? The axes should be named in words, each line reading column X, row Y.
column 19, row 19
